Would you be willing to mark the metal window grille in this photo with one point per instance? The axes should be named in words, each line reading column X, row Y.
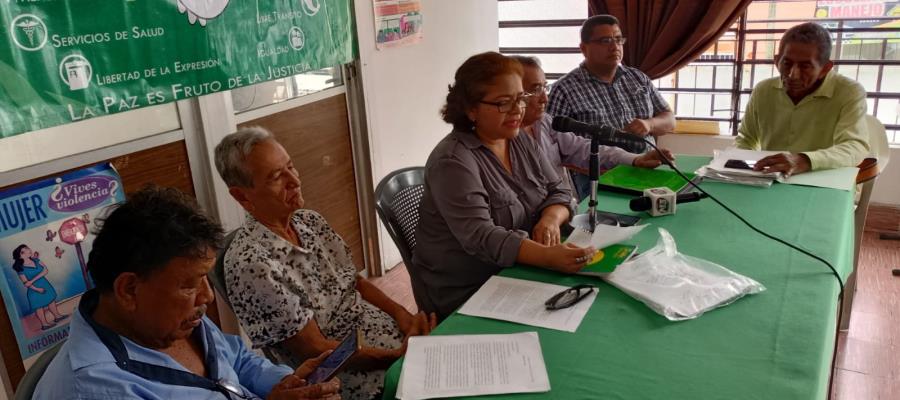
column 717, row 86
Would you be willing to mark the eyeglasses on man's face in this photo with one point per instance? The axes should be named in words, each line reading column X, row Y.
column 569, row 297
column 505, row 106
column 607, row 40
column 538, row 89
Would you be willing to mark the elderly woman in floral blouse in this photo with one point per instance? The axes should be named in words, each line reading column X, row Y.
column 290, row 277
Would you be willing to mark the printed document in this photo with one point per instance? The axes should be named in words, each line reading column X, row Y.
column 522, row 301
column 837, row 178
column 472, row 365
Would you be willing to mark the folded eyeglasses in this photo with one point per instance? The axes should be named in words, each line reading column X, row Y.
column 569, row 297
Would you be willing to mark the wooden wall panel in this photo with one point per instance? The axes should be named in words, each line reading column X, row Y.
column 317, row 137
column 165, row 165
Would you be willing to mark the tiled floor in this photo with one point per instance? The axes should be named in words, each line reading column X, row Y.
column 868, row 362
column 396, row 285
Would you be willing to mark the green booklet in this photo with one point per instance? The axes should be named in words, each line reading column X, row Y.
column 634, row 180
column 607, row 259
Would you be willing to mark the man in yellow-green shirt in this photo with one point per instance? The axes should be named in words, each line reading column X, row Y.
column 813, row 114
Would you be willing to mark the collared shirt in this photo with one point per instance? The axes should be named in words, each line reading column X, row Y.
column 568, row 149
column 584, row 97
column 85, row 369
column 828, row 125
column 475, row 215
column 276, row 288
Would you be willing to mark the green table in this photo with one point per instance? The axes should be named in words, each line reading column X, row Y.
column 774, row 345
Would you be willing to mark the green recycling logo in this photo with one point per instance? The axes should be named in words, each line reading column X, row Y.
column 28, row 32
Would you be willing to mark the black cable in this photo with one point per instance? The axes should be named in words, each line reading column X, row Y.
column 840, row 314
column 757, row 230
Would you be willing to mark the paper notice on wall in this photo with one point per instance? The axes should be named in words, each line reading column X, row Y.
column 46, row 234
column 397, row 22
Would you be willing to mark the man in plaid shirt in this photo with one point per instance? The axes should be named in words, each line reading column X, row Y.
column 601, row 91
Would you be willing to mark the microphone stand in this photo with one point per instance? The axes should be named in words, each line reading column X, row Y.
column 594, row 175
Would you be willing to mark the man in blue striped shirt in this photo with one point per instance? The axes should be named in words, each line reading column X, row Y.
column 601, row 91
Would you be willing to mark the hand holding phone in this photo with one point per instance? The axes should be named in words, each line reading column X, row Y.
column 336, row 360
column 740, row 164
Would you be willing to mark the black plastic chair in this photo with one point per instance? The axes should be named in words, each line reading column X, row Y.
column 25, row 390
column 397, row 200
column 217, row 274
column 217, row 278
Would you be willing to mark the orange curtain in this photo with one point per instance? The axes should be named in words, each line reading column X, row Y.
column 665, row 35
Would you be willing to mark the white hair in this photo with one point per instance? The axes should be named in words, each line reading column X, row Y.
column 233, row 150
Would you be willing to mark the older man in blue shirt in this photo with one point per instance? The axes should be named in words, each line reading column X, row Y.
column 142, row 334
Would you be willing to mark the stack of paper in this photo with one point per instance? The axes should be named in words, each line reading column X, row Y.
column 472, row 365
column 522, row 301
column 837, row 178
column 716, row 170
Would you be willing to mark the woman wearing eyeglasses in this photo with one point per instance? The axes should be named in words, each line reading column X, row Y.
column 490, row 201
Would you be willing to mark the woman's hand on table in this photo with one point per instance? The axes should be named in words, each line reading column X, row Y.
column 568, row 258
column 546, row 231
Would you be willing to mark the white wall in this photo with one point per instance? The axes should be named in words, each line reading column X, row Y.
column 405, row 87
column 887, row 188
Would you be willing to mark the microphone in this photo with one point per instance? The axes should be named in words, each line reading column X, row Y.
column 604, row 133
column 562, row 123
column 645, row 203
column 599, row 134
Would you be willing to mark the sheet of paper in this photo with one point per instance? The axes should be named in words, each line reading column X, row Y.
column 522, row 301
column 604, row 235
column 837, row 178
column 471, row 365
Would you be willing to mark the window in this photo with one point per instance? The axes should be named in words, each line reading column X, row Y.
column 717, row 86
column 262, row 94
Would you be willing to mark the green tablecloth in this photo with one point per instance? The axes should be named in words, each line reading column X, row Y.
column 774, row 345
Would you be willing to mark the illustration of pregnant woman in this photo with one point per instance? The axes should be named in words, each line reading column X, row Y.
column 41, row 294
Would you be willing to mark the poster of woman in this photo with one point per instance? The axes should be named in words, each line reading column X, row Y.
column 40, row 292
column 46, row 231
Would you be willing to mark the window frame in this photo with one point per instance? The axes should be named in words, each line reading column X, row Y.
column 742, row 37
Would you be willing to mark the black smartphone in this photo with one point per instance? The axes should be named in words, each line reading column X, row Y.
column 333, row 363
column 740, row 164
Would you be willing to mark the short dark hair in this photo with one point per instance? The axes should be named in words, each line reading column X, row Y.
column 471, row 79
column 527, row 61
column 143, row 234
column 587, row 28
column 808, row 32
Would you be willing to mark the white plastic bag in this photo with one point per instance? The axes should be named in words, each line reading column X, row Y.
column 678, row 286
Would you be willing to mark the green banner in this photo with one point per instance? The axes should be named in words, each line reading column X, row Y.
column 63, row 61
